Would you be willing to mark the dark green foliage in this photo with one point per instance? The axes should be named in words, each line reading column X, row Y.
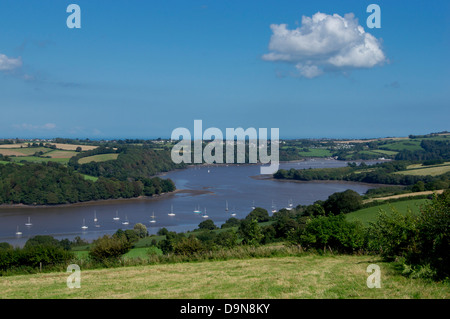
column 36, row 254
column 188, row 246
column 421, row 241
column 230, row 222
column 251, row 232
column 52, row 183
column 207, row 225
column 260, row 214
column 132, row 162
column 109, row 248
column 343, row 202
column 334, row 233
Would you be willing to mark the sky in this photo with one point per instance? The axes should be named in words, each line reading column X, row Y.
column 140, row 69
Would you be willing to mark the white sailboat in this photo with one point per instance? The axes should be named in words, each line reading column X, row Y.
column 84, row 227
column 226, row 206
column 290, row 205
column 28, row 223
column 274, row 209
column 204, row 214
column 233, row 213
column 153, row 218
column 117, row 216
column 125, row 222
column 171, row 211
column 253, row 206
column 18, row 233
column 197, row 210
column 95, row 216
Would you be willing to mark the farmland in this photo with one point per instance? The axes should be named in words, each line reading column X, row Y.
column 98, row 158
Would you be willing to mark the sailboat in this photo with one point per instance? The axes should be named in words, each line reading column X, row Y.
column 253, row 206
column 204, row 214
column 125, row 222
column 274, row 209
column 84, row 227
column 18, row 233
column 226, row 206
column 171, row 212
column 28, row 223
column 290, row 205
column 233, row 213
column 197, row 210
column 96, row 224
column 117, row 216
column 153, row 218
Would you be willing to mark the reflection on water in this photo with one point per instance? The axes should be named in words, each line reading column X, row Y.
column 228, row 186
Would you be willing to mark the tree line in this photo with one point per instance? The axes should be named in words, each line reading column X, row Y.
column 52, row 183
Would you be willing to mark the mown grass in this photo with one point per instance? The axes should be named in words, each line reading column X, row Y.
column 303, row 276
column 432, row 171
column 98, row 158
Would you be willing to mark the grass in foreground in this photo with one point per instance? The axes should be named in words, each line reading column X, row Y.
column 308, row 276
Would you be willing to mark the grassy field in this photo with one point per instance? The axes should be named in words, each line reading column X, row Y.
column 424, row 170
column 316, row 152
column 61, row 154
column 98, row 158
column 307, row 276
column 367, row 215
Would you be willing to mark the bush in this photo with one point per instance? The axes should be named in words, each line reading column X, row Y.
column 334, row 233
column 343, row 202
column 393, row 235
column 188, row 246
column 107, row 248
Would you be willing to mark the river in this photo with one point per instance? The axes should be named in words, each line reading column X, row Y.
column 212, row 188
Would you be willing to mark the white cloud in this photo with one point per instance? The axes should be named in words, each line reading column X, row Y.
column 325, row 42
column 8, row 64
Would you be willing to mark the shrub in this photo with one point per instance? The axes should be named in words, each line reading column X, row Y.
column 334, row 233
column 188, row 246
column 108, row 247
column 393, row 235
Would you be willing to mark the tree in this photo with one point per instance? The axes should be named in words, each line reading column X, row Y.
column 207, row 225
column 260, row 214
column 343, row 202
column 107, row 248
column 251, row 232
column 188, row 246
column 140, row 230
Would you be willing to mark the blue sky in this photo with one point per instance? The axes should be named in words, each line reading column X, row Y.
column 139, row 69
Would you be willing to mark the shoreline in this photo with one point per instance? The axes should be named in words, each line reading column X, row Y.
column 270, row 178
column 162, row 196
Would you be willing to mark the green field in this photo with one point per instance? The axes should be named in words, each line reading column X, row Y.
column 408, row 145
column 98, row 158
column 426, row 170
column 367, row 215
column 90, row 178
column 316, row 152
column 307, row 276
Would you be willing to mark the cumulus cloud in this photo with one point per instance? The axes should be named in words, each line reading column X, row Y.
column 9, row 64
column 323, row 43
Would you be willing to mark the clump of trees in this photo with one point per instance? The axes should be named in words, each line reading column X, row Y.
column 52, row 183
